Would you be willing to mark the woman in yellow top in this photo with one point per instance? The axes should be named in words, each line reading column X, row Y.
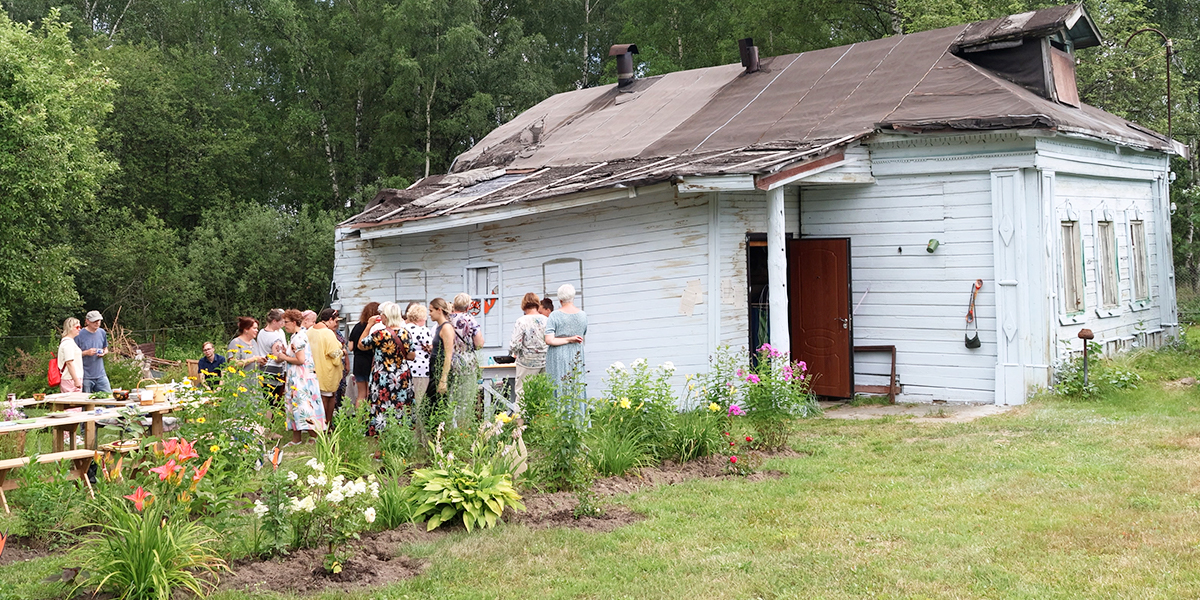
column 327, row 356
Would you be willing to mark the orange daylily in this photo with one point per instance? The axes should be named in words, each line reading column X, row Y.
column 139, row 497
column 166, row 470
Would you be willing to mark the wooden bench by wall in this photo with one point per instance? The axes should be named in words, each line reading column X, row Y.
column 889, row 390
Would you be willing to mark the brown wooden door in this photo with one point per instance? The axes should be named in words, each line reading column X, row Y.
column 819, row 302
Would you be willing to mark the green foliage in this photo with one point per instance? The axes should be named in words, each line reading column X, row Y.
column 52, row 100
column 46, row 501
column 147, row 554
column 394, row 510
column 777, row 393
column 398, row 442
column 561, row 463
column 639, row 405
column 1103, row 375
column 697, row 434
column 615, row 452
column 439, row 495
column 537, row 403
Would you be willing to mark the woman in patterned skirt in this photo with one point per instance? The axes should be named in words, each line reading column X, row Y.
column 302, row 392
column 390, row 386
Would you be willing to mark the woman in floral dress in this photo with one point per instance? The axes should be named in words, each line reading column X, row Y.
column 302, row 393
column 390, row 386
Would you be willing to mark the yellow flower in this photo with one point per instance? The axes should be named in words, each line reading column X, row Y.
column 214, row 448
column 503, row 418
column 235, row 394
column 714, row 407
column 624, row 402
column 200, row 420
column 241, row 389
column 640, row 405
column 270, row 357
column 691, row 386
column 241, row 373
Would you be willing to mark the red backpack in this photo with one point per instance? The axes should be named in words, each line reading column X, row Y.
column 53, row 373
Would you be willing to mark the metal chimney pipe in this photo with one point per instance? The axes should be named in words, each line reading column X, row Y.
column 749, row 54
column 624, row 54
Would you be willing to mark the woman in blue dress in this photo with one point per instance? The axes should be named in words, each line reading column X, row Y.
column 564, row 335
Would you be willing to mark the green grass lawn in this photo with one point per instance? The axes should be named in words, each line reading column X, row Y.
column 1056, row 499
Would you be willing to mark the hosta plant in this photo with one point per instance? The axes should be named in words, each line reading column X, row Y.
column 439, row 495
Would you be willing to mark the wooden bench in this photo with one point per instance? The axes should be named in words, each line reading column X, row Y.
column 81, row 459
column 889, row 390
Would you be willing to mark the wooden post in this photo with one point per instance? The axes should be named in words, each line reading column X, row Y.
column 777, row 270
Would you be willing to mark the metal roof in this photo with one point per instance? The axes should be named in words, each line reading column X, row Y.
column 721, row 120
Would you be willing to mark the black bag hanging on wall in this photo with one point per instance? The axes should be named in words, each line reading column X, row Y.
column 972, row 340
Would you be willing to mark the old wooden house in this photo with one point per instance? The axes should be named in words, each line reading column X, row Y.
column 831, row 200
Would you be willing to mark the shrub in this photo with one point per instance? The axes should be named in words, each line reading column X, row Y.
column 349, row 427
column 698, row 433
column 741, row 462
column 45, row 501
column 776, row 394
column 141, row 551
column 640, row 405
column 562, row 463
column 1102, row 375
column 398, row 442
column 720, row 384
column 478, row 496
column 393, row 508
column 613, row 452
column 537, row 406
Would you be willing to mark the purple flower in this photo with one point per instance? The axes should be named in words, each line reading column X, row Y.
column 735, row 410
column 803, row 365
column 752, row 378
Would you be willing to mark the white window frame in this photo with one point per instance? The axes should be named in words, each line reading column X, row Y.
column 1072, row 265
column 470, row 283
column 1139, row 265
column 1108, row 270
column 553, row 293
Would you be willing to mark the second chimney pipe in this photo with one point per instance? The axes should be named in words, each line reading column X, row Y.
column 749, row 54
column 624, row 54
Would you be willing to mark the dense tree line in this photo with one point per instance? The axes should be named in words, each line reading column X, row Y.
column 187, row 161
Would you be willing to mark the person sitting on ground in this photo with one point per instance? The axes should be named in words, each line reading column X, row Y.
column 70, row 358
column 528, row 344
column 210, row 365
column 327, row 356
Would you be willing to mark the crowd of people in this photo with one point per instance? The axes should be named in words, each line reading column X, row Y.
column 401, row 365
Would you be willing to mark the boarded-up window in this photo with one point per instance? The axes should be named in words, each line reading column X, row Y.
column 411, row 286
column 1107, row 278
column 483, row 284
column 1072, row 268
column 563, row 270
column 1139, row 274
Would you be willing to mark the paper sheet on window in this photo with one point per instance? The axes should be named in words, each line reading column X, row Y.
column 730, row 296
column 692, row 295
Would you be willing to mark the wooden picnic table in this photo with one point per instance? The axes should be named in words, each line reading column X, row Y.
column 70, row 423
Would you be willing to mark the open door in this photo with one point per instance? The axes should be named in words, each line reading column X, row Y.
column 819, row 301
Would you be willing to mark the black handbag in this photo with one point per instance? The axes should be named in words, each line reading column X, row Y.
column 972, row 340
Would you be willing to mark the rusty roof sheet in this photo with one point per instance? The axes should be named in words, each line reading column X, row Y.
column 720, row 120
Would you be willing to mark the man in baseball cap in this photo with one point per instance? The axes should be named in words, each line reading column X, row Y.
column 94, row 343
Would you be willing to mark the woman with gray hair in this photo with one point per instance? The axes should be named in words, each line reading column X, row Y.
column 564, row 335
column 70, row 357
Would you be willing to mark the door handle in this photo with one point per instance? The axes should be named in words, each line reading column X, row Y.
column 845, row 323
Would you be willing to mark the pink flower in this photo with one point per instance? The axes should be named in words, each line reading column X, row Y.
column 739, row 372
column 166, row 470
column 733, row 459
column 139, row 498
column 732, row 443
column 725, row 432
column 186, row 451
column 170, row 446
column 803, row 365
column 752, row 378
column 735, row 410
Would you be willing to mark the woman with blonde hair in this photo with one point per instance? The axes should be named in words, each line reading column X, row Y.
column 70, row 357
column 390, row 387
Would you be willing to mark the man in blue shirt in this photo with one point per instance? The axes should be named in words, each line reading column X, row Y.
column 94, row 343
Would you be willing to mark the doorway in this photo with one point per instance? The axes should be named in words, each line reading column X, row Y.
column 820, row 323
